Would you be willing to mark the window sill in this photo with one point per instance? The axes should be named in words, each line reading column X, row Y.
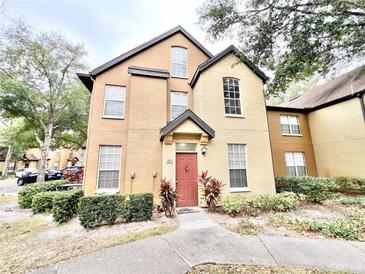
column 234, row 116
column 180, row 77
column 239, row 189
column 106, row 191
column 294, row 135
column 112, row 117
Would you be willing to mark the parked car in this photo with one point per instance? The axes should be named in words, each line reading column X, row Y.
column 72, row 169
column 20, row 172
column 31, row 177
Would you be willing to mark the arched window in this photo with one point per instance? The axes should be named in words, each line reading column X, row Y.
column 232, row 98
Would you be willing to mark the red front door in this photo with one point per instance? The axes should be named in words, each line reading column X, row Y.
column 186, row 179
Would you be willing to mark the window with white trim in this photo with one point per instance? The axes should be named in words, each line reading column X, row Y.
column 232, row 98
column 290, row 124
column 109, row 167
column 237, row 166
column 295, row 164
column 179, row 58
column 114, row 98
column 179, row 103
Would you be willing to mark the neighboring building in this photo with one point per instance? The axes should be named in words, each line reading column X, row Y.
column 170, row 109
column 58, row 159
column 323, row 129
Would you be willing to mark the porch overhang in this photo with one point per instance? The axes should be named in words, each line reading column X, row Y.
column 166, row 131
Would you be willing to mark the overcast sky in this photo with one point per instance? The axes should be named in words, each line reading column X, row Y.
column 109, row 28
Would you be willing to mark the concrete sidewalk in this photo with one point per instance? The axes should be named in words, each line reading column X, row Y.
column 200, row 240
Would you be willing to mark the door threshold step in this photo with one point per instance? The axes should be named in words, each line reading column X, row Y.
column 186, row 210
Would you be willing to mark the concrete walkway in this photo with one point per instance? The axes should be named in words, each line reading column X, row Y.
column 200, row 240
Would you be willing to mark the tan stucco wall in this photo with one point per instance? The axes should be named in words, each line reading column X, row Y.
column 146, row 112
column 251, row 130
column 338, row 135
column 284, row 143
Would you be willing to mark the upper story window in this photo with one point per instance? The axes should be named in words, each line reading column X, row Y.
column 290, row 125
column 114, row 99
column 232, row 98
column 179, row 59
column 295, row 164
column 179, row 103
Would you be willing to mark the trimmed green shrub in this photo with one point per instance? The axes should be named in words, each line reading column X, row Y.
column 316, row 189
column 103, row 209
column 65, row 205
column 43, row 201
column 235, row 204
column 139, row 207
column 350, row 184
column 25, row 195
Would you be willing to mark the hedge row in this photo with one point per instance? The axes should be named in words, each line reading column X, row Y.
column 236, row 204
column 65, row 205
column 106, row 209
column 43, row 201
column 318, row 189
column 26, row 194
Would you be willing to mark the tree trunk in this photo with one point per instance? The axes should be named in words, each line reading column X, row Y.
column 7, row 162
column 44, row 153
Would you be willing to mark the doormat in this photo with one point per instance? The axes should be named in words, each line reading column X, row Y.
column 186, row 210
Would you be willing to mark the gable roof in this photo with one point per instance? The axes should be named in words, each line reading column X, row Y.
column 187, row 114
column 148, row 72
column 86, row 78
column 222, row 54
column 147, row 45
column 343, row 87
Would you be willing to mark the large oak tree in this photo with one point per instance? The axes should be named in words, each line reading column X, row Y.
column 38, row 85
column 293, row 38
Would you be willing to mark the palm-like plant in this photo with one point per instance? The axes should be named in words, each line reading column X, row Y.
column 211, row 190
column 168, row 197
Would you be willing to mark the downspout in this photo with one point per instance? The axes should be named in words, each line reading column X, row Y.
column 362, row 104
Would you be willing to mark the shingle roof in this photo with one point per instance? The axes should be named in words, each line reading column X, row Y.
column 222, row 54
column 30, row 157
column 344, row 86
column 187, row 114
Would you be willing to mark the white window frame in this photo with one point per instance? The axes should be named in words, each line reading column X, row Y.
column 238, row 189
column 240, row 100
column 295, row 165
column 290, row 130
column 123, row 100
column 108, row 190
column 171, row 103
column 186, row 58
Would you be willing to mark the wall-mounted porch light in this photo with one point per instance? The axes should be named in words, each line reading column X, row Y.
column 204, row 150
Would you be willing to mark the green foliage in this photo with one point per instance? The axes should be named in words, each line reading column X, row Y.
column 360, row 200
column 103, row 209
column 295, row 38
column 246, row 227
column 350, row 227
column 168, row 197
column 350, row 184
column 106, row 209
column 139, row 207
column 65, row 205
column 38, row 86
column 43, row 201
column 316, row 189
column 25, row 195
column 235, row 204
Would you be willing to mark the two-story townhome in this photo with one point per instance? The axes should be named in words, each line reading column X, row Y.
column 170, row 109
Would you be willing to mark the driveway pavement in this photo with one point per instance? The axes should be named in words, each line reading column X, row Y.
column 200, row 240
column 9, row 186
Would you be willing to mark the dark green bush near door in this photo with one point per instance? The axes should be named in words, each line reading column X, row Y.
column 106, row 209
column 65, row 205
column 139, row 207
